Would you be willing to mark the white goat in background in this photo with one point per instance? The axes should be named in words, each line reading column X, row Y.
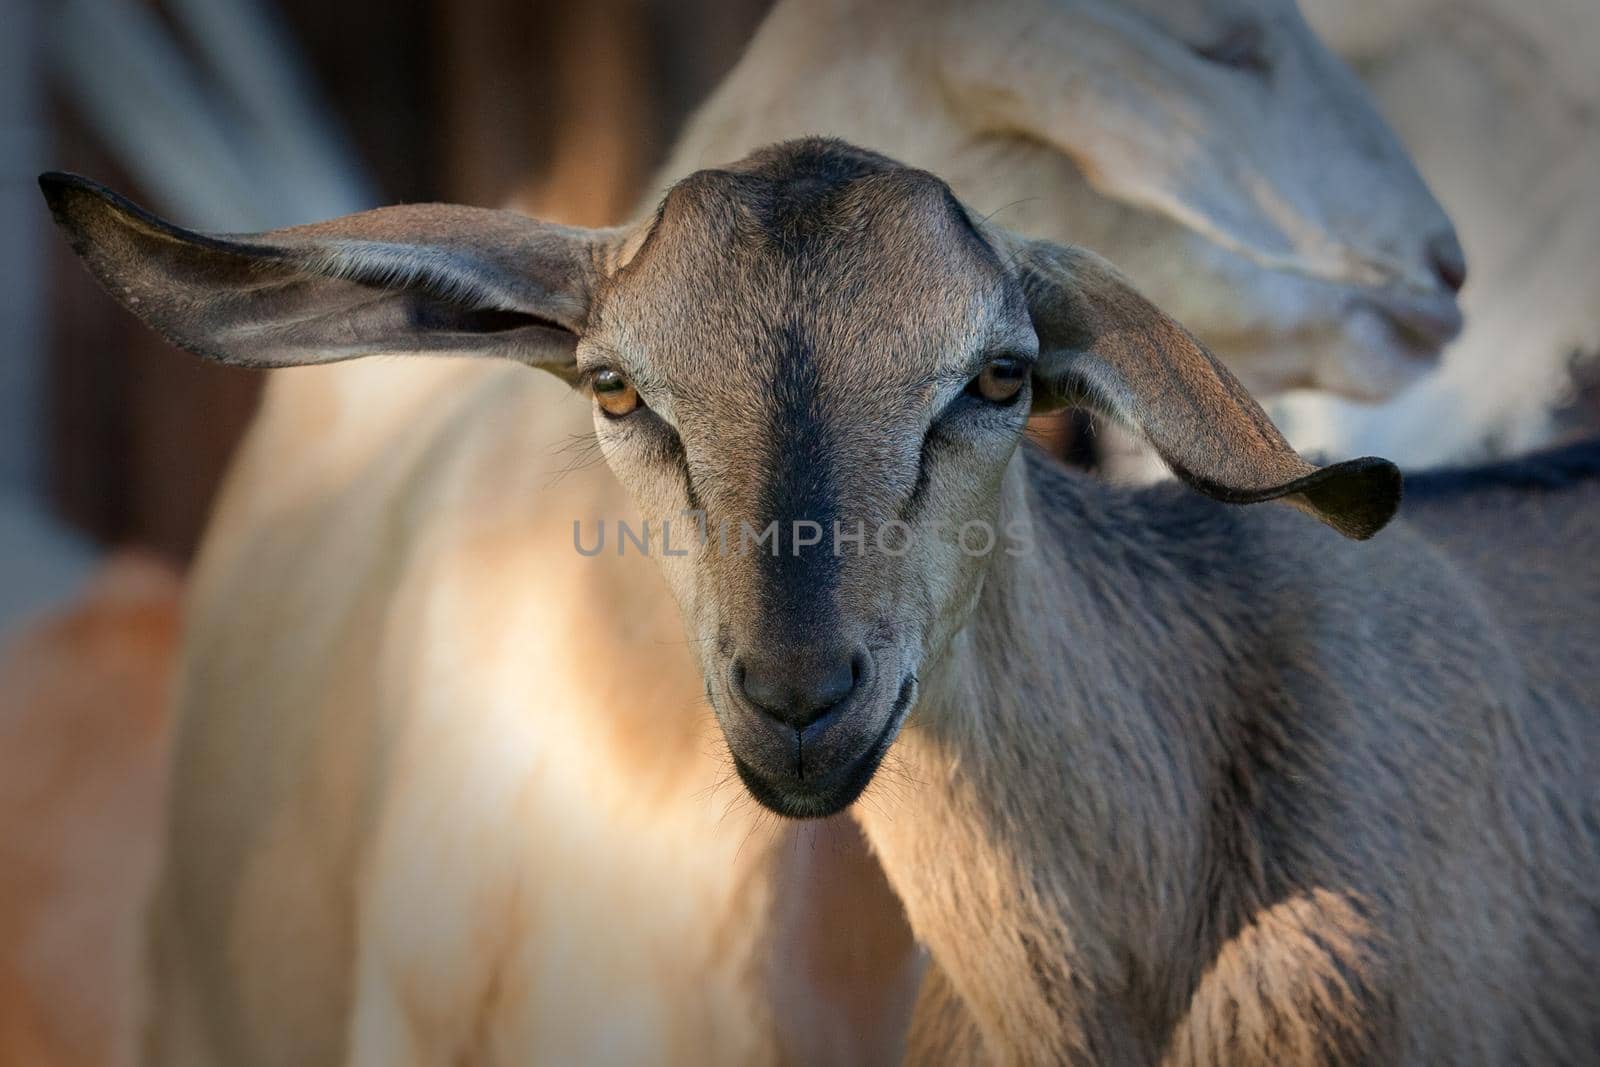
column 1499, row 102
column 1216, row 151
column 444, row 790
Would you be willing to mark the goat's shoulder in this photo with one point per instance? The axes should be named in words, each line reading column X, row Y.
column 1524, row 534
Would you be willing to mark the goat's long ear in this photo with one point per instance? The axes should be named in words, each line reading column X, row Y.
column 412, row 279
column 1104, row 345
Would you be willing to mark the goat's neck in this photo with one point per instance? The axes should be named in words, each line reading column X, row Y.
column 1047, row 815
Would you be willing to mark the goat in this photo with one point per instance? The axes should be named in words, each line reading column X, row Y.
column 354, row 651
column 1243, row 179
column 1454, row 78
column 1149, row 805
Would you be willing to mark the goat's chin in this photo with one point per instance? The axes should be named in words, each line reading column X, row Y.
column 1377, row 360
column 1365, row 366
column 809, row 802
column 831, row 777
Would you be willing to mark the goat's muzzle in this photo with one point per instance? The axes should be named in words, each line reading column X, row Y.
column 807, row 731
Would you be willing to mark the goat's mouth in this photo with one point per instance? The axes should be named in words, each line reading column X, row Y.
column 1389, row 342
column 820, row 776
column 1414, row 328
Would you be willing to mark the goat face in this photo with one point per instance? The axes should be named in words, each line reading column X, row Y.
column 818, row 372
column 1291, row 229
column 1315, row 254
column 814, row 357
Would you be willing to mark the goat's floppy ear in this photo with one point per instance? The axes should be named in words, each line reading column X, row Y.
column 412, row 279
column 1104, row 345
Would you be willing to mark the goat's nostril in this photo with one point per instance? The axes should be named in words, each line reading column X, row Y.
column 799, row 689
column 1448, row 261
column 833, row 684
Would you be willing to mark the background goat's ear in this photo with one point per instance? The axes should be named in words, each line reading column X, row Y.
column 413, row 279
column 1104, row 345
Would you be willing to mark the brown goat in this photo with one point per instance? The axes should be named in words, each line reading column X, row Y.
column 1188, row 783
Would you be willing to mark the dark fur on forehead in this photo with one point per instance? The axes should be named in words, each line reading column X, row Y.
column 824, row 162
column 791, row 192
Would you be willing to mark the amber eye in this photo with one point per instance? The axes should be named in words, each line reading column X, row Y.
column 1001, row 381
column 614, row 393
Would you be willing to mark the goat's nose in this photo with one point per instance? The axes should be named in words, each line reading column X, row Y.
column 798, row 690
column 1448, row 261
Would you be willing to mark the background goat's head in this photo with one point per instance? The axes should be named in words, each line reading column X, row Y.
column 815, row 341
column 1214, row 149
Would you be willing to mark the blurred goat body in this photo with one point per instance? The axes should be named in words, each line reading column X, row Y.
column 382, row 849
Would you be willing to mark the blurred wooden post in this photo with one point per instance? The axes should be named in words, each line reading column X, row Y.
column 22, row 316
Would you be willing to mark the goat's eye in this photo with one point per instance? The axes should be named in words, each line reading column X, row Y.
column 1242, row 47
column 614, row 393
column 1001, row 381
